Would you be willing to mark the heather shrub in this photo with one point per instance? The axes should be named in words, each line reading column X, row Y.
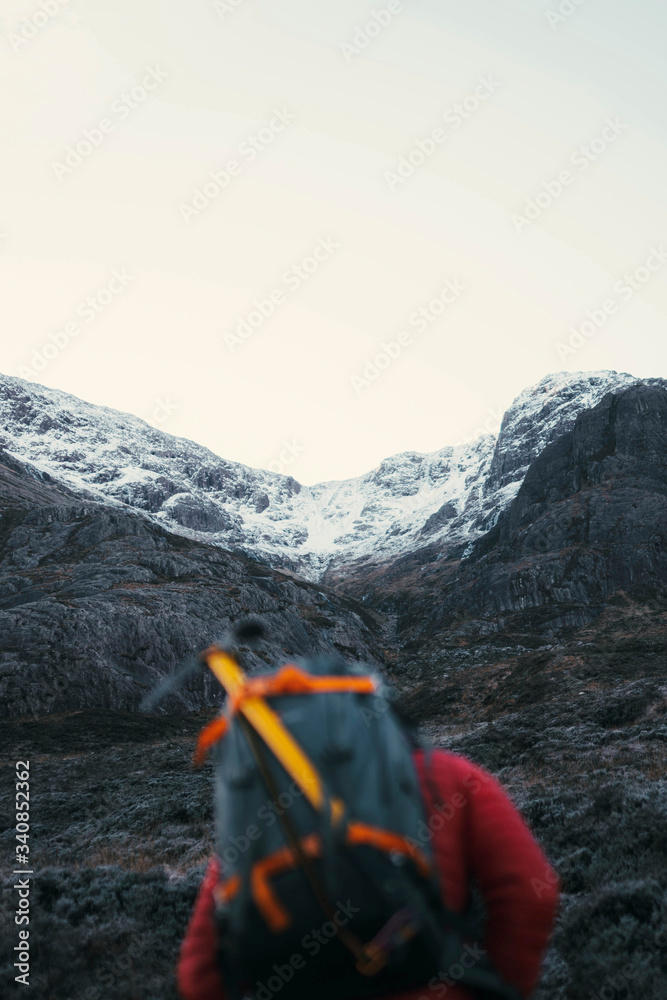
column 104, row 933
column 614, row 943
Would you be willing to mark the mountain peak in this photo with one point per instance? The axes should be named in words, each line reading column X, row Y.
column 445, row 498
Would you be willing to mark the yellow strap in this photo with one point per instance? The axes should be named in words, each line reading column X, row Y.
column 270, row 727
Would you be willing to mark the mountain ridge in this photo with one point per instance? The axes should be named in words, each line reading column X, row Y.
column 449, row 497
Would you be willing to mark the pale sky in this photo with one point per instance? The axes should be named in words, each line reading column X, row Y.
column 332, row 219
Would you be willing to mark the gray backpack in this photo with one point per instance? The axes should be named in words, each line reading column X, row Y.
column 328, row 888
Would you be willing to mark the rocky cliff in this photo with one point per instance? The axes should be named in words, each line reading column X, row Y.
column 97, row 603
column 586, row 533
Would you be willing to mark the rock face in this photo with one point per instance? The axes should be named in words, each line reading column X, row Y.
column 591, row 514
column 587, row 528
column 600, row 489
column 97, row 603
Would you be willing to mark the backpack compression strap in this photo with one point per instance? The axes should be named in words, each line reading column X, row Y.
column 247, row 694
column 288, row 680
column 209, row 735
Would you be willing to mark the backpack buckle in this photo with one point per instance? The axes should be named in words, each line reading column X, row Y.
column 372, row 961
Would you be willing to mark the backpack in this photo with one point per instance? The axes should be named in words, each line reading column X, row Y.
column 327, row 883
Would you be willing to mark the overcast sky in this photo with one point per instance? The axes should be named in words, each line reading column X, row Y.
column 444, row 188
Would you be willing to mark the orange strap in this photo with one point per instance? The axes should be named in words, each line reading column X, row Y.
column 385, row 840
column 209, row 735
column 268, row 724
column 268, row 904
column 224, row 891
column 266, row 901
column 291, row 679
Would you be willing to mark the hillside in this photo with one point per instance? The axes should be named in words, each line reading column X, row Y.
column 97, row 603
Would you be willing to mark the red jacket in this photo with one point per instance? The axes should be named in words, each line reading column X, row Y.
column 477, row 834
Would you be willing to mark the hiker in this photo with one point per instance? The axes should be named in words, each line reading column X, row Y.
column 477, row 834
column 345, row 851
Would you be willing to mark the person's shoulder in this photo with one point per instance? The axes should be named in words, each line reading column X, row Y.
column 453, row 767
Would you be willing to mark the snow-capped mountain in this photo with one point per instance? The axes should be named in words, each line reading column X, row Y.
column 448, row 497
